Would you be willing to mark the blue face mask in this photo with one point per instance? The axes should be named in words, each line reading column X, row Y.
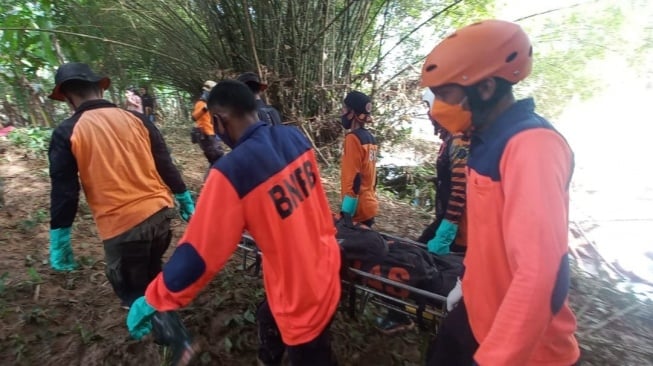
column 223, row 136
column 346, row 122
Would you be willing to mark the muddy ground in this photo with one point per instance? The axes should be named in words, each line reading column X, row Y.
column 49, row 318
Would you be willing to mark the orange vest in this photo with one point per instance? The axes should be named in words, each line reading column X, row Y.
column 358, row 172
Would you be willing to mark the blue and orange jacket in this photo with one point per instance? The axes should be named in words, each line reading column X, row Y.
column 517, row 270
column 358, row 172
column 122, row 161
column 269, row 185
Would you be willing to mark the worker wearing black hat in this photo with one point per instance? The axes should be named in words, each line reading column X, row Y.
column 266, row 113
column 128, row 176
column 358, row 166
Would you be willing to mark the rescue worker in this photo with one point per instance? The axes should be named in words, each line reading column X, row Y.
column 447, row 233
column 128, row 178
column 269, row 185
column 266, row 113
column 358, row 165
column 514, row 308
column 208, row 141
column 148, row 103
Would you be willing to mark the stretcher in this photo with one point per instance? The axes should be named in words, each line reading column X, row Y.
column 426, row 308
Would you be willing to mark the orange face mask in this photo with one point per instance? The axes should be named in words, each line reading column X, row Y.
column 452, row 117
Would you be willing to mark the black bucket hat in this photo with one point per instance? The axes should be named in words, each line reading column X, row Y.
column 251, row 77
column 359, row 102
column 76, row 71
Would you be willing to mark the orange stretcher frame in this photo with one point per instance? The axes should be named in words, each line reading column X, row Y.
column 426, row 308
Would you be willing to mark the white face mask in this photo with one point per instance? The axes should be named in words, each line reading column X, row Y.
column 428, row 97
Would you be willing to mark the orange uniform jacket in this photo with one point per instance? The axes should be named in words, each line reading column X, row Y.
column 517, row 270
column 202, row 118
column 358, row 172
column 123, row 164
column 270, row 186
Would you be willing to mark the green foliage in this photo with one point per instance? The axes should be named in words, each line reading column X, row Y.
column 87, row 336
column 36, row 316
column 29, row 224
column 565, row 44
column 23, row 54
column 409, row 184
column 35, row 139
column 27, row 52
column 19, row 345
column 637, row 45
column 35, row 277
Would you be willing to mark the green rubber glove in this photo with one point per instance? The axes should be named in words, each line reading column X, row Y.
column 444, row 236
column 61, row 252
column 139, row 318
column 349, row 205
column 186, row 205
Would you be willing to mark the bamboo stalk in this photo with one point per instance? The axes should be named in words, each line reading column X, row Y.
column 251, row 36
column 101, row 39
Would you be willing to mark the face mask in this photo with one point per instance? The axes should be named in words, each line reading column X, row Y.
column 452, row 117
column 223, row 136
column 346, row 122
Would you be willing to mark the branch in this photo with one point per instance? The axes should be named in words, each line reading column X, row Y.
column 410, row 66
column 552, row 10
column 105, row 40
column 406, row 36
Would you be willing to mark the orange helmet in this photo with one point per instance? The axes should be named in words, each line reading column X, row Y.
column 491, row 48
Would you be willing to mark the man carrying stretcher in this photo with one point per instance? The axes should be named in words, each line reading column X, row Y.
column 270, row 186
column 514, row 309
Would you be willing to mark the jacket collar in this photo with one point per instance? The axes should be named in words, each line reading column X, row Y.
column 249, row 132
column 92, row 104
column 520, row 110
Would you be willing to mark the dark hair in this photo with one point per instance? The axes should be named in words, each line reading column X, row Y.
column 234, row 95
column 80, row 88
column 254, row 86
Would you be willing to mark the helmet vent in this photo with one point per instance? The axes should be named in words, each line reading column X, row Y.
column 431, row 67
column 452, row 35
column 511, row 57
column 530, row 52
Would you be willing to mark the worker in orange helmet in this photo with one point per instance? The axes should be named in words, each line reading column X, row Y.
column 514, row 308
